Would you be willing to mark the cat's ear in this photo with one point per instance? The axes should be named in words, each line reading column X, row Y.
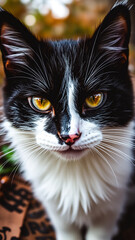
column 16, row 41
column 113, row 35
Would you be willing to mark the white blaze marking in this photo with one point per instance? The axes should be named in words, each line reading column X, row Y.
column 74, row 122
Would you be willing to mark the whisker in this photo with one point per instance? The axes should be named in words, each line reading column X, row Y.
column 14, row 171
column 116, row 150
column 41, row 151
column 92, row 51
column 118, row 141
column 5, row 154
column 103, row 157
column 116, row 130
column 5, row 163
column 117, row 135
column 129, row 159
column 43, row 64
column 107, row 152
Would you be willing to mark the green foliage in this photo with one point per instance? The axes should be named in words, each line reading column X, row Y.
column 9, row 162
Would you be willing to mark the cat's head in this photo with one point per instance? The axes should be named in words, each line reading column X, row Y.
column 65, row 92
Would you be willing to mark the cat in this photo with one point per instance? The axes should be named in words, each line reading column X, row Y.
column 68, row 107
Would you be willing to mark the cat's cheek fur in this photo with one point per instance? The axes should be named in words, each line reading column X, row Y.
column 45, row 140
column 91, row 136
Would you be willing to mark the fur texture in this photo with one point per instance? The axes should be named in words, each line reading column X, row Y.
column 77, row 158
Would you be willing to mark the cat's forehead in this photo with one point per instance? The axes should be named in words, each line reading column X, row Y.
column 59, row 59
column 65, row 50
column 64, row 46
column 66, row 60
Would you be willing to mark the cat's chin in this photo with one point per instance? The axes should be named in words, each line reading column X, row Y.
column 71, row 154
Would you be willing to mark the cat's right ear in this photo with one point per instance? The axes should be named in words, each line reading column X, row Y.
column 16, row 42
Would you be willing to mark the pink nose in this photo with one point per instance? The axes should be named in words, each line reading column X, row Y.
column 70, row 139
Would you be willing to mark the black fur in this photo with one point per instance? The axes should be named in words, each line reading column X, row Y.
column 49, row 59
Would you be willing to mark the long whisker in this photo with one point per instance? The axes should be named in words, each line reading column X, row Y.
column 107, row 152
column 116, row 130
column 5, row 154
column 118, row 141
column 14, row 171
column 92, row 51
column 5, row 163
column 43, row 64
column 124, row 135
column 127, row 158
column 103, row 157
column 116, row 150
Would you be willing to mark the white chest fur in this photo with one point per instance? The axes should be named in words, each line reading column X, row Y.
column 78, row 184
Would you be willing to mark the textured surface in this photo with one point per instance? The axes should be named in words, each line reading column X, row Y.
column 22, row 216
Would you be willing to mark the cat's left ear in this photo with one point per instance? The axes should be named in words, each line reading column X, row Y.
column 16, row 41
column 113, row 35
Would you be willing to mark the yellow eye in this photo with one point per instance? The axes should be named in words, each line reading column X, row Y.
column 94, row 100
column 40, row 104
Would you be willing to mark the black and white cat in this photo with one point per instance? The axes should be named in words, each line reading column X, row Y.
column 69, row 114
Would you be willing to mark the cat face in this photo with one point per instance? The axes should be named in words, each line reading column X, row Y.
column 66, row 92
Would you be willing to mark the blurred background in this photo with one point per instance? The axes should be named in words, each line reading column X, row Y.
column 64, row 19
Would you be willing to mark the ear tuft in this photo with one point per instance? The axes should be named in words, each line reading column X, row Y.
column 122, row 2
column 14, row 47
column 114, row 35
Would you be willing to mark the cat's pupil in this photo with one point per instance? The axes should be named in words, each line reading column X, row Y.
column 94, row 100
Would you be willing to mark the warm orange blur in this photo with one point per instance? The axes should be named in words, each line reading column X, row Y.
column 84, row 16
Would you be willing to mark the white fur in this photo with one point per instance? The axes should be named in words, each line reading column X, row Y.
column 77, row 192
column 47, row 140
column 74, row 122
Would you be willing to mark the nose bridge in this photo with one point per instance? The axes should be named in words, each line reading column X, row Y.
column 69, row 128
column 65, row 123
column 74, row 124
column 69, row 119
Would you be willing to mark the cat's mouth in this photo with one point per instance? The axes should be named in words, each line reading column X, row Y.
column 71, row 154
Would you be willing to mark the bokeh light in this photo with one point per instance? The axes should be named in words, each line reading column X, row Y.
column 30, row 20
column 63, row 18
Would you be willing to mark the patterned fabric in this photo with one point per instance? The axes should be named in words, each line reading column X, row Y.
column 23, row 217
